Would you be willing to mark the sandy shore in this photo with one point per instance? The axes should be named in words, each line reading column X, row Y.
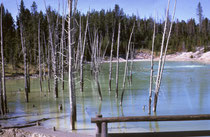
column 198, row 56
column 39, row 131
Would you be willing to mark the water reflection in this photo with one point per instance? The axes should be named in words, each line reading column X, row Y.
column 185, row 90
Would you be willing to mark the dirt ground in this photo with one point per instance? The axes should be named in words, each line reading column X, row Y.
column 39, row 132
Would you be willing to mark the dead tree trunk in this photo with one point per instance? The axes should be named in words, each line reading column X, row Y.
column 49, row 67
column 2, row 62
column 44, row 49
column 25, row 62
column 28, row 73
column 132, row 58
column 54, row 66
column 40, row 67
column 161, row 64
column 54, row 57
column 62, row 50
column 104, row 53
column 126, row 65
column 72, row 95
column 117, row 67
column 110, row 63
column 151, row 71
column 1, row 99
column 163, row 60
column 97, row 61
column 53, row 54
column 82, row 56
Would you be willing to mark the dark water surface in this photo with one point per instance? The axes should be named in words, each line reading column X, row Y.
column 185, row 89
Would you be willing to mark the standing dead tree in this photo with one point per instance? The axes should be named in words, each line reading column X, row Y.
column 97, row 63
column 53, row 47
column 72, row 94
column 55, row 56
column 40, row 67
column 25, row 62
column 25, row 59
column 82, row 45
column 132, row 50
column 117, row 67
column 110, row 63
column 162, row 58
column 1, row 99
column 151, row 71
column 79, row 47
column 44, row 52
column 3, row 66
column 126, row 65
column 62, row 46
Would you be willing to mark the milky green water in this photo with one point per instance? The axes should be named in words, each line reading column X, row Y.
column 185, row 89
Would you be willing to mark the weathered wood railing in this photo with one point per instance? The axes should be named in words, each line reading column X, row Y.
column 102, row 124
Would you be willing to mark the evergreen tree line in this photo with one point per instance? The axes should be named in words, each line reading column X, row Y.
column 186, row 35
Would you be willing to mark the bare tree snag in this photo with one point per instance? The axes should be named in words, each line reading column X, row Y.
column 3, row 67
column 126, row 65
column 82, row 55
column 25, row 62
column 167, row 42
column 110, row 63
column 53, row 53
column 62, row 48
column 132, row 50
column 72, row 95
column 40, row 67
column 49, row 68
column 96, row 60
column 162, row 60
column 117, row 67
column 151, row 71
column 1, row 99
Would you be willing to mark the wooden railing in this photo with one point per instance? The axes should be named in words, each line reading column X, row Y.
column 102, row 124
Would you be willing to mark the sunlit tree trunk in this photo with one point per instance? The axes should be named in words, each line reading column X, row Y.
column 44, row 49
column 1, row 99
column 151, row 71
column 40, row 67
column 162, row 58
column 126, row 65
column 110, row 63
column 117, row 67
column 2, row 63
column 72, row 95
column 132, row 58
column 53, row 47
column 49, row 67
column 62, row 49
column 55, row 56
column 97, row 61
column 82, row 56
column 25, row 62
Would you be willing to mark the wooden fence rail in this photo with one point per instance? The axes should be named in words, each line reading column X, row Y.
column 102, row 123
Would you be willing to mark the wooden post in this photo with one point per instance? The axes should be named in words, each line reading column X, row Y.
column 98, row 127
column 104, row 130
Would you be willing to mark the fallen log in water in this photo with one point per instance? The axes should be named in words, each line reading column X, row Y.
column 20, row 126
column 28, row 124
column 39, row 120
column 7, row 118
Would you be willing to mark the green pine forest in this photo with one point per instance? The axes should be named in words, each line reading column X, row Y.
column 186, row 35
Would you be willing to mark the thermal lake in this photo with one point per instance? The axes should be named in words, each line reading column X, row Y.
column 185, row 89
